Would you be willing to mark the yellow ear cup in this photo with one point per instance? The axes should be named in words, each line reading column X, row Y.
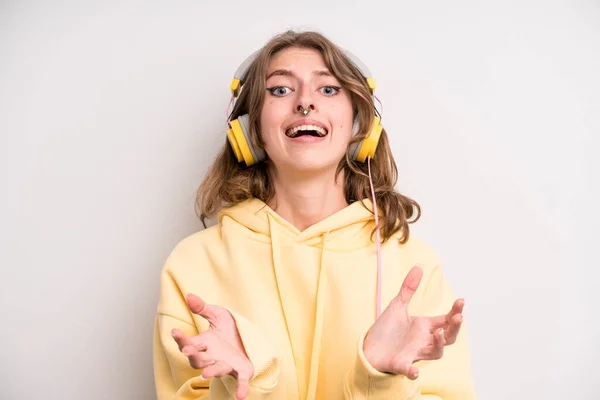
column 369, row 143
column 234, row 146
column 239, row 143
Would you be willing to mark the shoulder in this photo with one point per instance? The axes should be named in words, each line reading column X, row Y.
column 434, row 295
column 416, row 245
column 194, row 249
column 418, row 251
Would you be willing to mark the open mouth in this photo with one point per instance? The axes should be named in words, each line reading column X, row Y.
column 306, row 130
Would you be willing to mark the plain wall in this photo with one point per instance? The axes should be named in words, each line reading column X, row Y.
column 110, row 113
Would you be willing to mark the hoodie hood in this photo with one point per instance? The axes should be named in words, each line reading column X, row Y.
column 345, row 229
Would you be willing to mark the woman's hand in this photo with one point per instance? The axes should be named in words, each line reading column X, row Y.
column 218, row 351
column 397, row 340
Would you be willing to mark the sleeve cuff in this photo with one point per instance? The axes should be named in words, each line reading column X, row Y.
column 261, row 354
column 367, row 382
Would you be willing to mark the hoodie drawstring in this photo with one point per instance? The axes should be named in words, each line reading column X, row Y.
column 275, row 250
column 318, row 334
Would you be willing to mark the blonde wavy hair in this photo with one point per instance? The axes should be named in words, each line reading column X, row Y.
column 229, row 182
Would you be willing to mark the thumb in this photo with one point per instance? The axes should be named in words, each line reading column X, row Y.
column 410, row 285
column 200, row 307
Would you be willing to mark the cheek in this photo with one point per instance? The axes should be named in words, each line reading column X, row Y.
column 344, row 124
column 270, row 122
column 342, row 116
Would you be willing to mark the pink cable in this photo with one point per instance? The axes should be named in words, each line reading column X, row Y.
column 377, row 235
column 380, row 103
column 228, row 105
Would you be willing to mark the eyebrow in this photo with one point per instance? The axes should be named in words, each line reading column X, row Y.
column 287, row 72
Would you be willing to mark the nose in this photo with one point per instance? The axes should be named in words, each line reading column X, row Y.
column 305, row 110
column 305, row 102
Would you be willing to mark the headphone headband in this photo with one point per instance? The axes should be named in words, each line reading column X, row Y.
column 240, row 74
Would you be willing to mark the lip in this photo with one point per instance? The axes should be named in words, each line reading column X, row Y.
column 307, row 121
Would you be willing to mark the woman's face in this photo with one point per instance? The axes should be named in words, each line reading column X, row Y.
column 298, row 77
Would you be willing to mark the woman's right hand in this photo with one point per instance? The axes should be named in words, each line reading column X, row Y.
column 218, row 351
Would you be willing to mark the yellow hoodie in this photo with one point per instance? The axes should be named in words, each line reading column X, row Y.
column 303, row 302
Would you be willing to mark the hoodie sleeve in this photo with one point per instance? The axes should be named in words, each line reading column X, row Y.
column 448, row 378
column 176, row 379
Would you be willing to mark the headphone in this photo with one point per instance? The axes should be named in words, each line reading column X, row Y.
column 239, row 132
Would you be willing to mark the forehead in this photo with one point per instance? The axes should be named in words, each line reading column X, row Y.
column 297, row 58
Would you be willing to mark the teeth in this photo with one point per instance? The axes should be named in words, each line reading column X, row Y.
column 293, row 131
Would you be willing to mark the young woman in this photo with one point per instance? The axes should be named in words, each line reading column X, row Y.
column 310, row 285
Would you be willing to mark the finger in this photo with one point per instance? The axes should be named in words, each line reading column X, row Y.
column 453, row 329
column 434, row 349
column 198, row 341
column 442, row 321
column 197, row 359
column 438, row 345
column 457, row 308
column 202, row 355
column 413, row 373
column 200, row 307
column 410, row 284
column 439, row 322
column 200, row 347
column 243, row 386
column 201, row 341
column 219, row 368
column 180, row 338
column 405, row 367
column 243, row 372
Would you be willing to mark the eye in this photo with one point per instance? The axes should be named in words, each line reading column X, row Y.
column 279, row 91
column 330, row 90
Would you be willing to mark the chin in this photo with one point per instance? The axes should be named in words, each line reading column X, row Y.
column 312, row 164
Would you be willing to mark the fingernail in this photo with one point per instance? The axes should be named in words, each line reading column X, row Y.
column 460, row 319
column 202, row 377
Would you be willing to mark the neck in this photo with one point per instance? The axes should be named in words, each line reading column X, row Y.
column 304, row 201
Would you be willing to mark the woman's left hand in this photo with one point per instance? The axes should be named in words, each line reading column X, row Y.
column 397, row 340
